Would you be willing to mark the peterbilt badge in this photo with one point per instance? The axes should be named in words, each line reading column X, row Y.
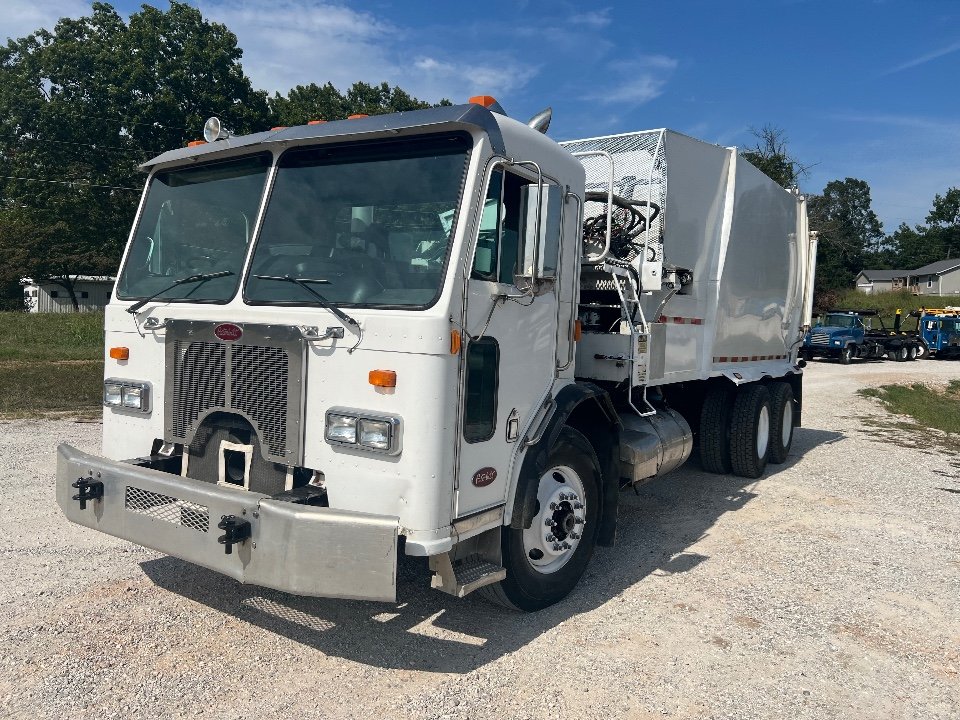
column 228, row 332
column 484, row 476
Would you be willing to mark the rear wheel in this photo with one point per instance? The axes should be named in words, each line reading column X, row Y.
column 715, row 430
column 750, row 431
column 781, row 422
column 913, row 352
column 545, row 561
column 902, row 353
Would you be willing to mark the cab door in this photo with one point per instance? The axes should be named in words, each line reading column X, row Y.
column 510, row 346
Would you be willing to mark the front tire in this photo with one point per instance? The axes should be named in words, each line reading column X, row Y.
column 845, row 355
column 545, row 561
column 750, row 431
column 923, row 352
column 781, row 422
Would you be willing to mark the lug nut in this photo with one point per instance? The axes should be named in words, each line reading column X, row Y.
column 549, row 523
column 551, row 537
column 578, row 521
column 562, row 496
column 556, row 547
column 574, row 536
column 553, row 506
column 577, row 506
column 566, row 546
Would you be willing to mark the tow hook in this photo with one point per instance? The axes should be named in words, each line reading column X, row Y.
column 89, row 488
column 235, row 531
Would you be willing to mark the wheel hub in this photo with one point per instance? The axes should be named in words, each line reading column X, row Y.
column 554, row 535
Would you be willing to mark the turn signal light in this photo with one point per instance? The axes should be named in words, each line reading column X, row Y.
column 120, row 353
column 455, row 342
column 383, row 378
column 577, row 331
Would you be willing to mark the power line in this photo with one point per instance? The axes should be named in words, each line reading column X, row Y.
column 68, row 182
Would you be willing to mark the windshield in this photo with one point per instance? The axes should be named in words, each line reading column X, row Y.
column 196, row 220
column 373, row 220
column 948, row 325
column 845, row 321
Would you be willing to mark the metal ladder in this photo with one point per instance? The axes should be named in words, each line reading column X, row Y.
column 636, row 323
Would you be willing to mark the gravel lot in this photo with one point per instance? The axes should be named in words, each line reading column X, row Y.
column 826, row 589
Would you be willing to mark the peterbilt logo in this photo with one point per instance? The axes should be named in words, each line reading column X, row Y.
column 484, row 476
column 228, row 332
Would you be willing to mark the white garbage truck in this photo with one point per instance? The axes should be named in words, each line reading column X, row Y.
column 440, row 334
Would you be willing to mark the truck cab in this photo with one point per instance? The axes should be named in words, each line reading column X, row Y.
column 940, row 330
column 838, row 335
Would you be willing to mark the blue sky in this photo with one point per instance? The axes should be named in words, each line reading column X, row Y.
column 862, row 88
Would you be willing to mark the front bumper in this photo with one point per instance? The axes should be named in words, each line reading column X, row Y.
column 299, row 549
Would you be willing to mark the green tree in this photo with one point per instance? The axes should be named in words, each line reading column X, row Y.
column 81, row 107
column 770, row 156
column 849, row 231
column 938, row 239
column 324, row 102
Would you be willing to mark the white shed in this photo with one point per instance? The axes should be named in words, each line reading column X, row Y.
column 92, row 291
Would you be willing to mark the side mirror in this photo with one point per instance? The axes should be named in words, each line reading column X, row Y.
column 540, row 241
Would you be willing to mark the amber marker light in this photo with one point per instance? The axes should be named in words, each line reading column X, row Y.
column 278, row 127
column 383, row 378
column 358, row 116
column 485, row 100
column 455, row 342
column 316, row 122
column 577, row 331
column 120, row 353
column 195, row 143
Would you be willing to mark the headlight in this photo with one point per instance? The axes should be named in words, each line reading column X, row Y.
column 342, row 429
column 836, row 342
column 112, row 393
column 130, row 394
column 375, row 434
column 363, row 430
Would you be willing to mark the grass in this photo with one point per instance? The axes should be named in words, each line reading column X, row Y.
column 930, row 407
column 50, row 364
column 51, row 336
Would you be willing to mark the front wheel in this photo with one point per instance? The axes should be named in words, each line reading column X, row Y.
column 923, row 352
column 544, row 562
column 845, row 355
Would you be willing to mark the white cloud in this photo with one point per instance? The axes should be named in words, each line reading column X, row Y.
column 925, row 58
column 595, row 20
column 22, row 17
column 296, row 42
column 638, row 81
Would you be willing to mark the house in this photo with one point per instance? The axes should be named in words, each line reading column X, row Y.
column 92, row 291
column 874, row 281
column 938, row 278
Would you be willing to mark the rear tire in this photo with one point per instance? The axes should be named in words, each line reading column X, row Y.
column 538, row 575
column 902, row 353
column 750, row 431
column 913, row 352
column 715, row 431
column 781, row 422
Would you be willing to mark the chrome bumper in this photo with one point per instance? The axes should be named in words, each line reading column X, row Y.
column 295, row 548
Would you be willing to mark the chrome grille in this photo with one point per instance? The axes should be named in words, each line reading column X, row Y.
column 201, row 375
column 258, row 388
column 169, row 509
column 819, row 339
column 258, row 376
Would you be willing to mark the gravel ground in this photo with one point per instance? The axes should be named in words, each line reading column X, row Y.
column 826, row 589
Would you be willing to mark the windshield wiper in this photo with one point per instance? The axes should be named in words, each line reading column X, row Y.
column 305, row 284
column 202, row 277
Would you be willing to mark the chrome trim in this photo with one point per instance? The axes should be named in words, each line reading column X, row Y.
column 145, row 394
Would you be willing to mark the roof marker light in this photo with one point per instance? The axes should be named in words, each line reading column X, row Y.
column 358, row 116
column 316, row 122
column 195, row 143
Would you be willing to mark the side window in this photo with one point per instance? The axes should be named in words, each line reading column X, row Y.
column 498, row 242
column 483, row 373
